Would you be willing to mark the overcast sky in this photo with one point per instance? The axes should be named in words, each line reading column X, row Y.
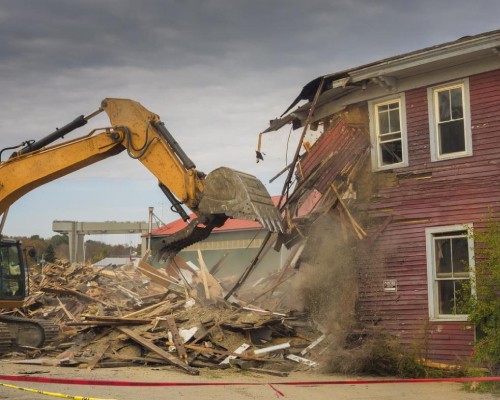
column 216, row 71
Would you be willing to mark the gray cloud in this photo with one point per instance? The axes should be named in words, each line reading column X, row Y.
column 215, row 70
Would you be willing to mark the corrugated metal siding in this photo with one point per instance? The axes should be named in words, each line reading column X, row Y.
column 452, row 192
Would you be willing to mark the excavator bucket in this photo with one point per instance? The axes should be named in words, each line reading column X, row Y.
column 239, row 195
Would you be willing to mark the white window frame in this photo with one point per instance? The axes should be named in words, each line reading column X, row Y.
column 433, row 120
column 432, row 280
column 374, row 122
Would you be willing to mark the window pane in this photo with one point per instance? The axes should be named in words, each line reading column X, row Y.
column 460, row 256
column 446, row 297
column 389, row 137
column 383, row 122
column 451, row 137
column 443, row 258
column 394, row 121
column 452, row 283
column 456, row 103
column 392, row 152
column 444, row 105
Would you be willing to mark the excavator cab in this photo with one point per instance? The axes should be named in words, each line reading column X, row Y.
column 13, row 274
column 18, row 332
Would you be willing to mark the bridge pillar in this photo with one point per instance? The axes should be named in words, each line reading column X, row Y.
column 76, row 232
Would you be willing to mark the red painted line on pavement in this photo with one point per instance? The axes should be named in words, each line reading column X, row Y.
column 21, row 378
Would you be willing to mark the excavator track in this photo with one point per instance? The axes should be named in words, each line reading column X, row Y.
column 25, row 332
column 6, row 339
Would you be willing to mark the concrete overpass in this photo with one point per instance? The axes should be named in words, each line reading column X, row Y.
column 76, row 232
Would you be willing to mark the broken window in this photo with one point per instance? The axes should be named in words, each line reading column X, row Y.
column 449, row 122
column 388, row 133
column 450, row 260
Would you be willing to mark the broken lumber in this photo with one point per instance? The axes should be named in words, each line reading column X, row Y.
column 122, row 320
column 155, row 349
column 179, row 344
column 61, row 290
column 152, row 273
column 100, row 352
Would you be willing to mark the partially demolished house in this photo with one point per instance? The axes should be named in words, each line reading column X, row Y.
column 409, row 155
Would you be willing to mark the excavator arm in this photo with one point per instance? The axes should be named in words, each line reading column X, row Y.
column 23, row 173
column 224, row 193
column 147, row 140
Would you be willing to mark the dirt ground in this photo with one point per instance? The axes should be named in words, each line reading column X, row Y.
column 245, row 385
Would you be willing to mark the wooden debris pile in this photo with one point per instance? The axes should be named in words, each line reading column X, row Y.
column 124, row 316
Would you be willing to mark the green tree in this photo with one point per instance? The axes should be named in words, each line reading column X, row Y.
column 484, row 307
column 57, row 240
column 50, row 255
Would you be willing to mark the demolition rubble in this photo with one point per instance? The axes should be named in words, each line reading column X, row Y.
column 181, row 316
column 139, row 315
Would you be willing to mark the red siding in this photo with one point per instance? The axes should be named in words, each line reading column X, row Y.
column 454, row 192
column 424, row 194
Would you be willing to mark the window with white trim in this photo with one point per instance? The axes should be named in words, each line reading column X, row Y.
column 450, row 262
column 449, row 121
column 388, row 133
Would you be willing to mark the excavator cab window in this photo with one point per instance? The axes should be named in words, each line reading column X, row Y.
column 12, row 273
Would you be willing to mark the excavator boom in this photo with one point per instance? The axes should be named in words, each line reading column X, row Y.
column 224, row 193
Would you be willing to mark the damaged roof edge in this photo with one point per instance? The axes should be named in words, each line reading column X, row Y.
column 357, row 75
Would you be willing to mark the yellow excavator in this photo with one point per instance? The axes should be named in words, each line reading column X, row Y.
column 224, row 193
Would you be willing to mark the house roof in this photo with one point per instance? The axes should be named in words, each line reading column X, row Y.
column 230, row 225
column 387, row 72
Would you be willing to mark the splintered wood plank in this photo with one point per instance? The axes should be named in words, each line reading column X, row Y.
column 154, row 348
column 66, row 311
column 206, row 332
column 122, row 320
column 100, row 352
column 153, row 274
column 267, row 371
column 61, row 290
column 203, row 269
column 179, row 345
column 146, row 309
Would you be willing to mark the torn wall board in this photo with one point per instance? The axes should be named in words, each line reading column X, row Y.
column 239, row 350
column 347, row 142
column 302, row 360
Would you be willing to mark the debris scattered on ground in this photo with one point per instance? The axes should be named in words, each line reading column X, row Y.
column 121, row 316
column 182, row 316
